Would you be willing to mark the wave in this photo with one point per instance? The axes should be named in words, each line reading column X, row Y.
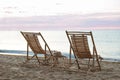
column 13, row 51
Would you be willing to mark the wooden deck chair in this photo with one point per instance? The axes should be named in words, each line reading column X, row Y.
column 35, row 45
column 79, row 46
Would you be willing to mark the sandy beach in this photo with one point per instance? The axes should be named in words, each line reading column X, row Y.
column 13, row 68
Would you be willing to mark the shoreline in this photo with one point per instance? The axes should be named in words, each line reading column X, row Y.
column 23, row 53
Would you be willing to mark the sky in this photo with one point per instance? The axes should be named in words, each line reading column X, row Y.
column 59, row 14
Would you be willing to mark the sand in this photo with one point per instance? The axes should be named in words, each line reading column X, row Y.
column 13, row 68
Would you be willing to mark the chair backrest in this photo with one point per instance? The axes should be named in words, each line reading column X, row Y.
column 79, row 43
column 33, row 42
column 80, row 46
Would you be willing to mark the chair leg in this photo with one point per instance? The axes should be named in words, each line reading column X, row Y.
column 28, row 59
column 78, row 64
column 27, row 51
column 37, row 58
column 45, row 56
column 89, row 63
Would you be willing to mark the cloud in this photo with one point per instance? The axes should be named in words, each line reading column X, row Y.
column 18, row 8
column 62, row 22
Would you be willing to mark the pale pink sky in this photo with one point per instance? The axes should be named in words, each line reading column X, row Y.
column 59, row 14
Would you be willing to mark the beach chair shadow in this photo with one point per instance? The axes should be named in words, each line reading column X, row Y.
column 34, row 43
column 80, row 48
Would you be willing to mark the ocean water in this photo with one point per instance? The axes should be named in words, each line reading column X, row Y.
column 107, row 42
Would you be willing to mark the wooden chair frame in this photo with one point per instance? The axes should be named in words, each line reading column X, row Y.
column 95, row 54
column 44, row 51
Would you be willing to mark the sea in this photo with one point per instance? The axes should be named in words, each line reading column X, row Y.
column 107, row 43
